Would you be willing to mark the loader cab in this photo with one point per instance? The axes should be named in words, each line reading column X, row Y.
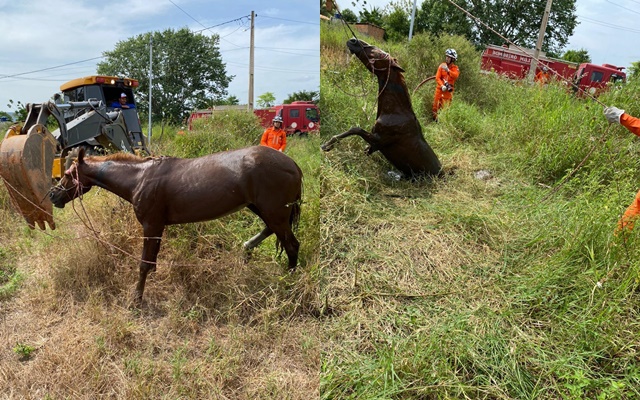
column 103, row 88
column 107, row 90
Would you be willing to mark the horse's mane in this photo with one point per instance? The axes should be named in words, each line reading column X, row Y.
column 120, row 157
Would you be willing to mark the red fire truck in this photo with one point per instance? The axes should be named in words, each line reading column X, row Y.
column 516, row 63
column 299, row 117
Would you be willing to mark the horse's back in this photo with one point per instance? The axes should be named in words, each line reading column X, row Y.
column 198, row 189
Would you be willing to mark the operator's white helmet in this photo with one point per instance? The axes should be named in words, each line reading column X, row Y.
column 451, row 53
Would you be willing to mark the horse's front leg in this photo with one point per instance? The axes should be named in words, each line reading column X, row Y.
column 368, row 137
column 150, row 249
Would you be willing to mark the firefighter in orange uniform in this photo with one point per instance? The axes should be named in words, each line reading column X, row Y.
column 618, row 116
column 542, row 77
column 446, row 76
column 274, row 136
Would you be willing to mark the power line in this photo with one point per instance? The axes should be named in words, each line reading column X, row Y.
column 274, row 69
column 623, row 7
column 49, row 68
column 208, row 28
column 288, row 52
column 291, row 20
column 608, row 25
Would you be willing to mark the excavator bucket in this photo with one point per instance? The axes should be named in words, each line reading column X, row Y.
column 26, row 161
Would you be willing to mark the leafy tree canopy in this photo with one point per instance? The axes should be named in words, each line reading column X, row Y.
column 518, row 21
column 266, row 100
column 5, row 115
column 633, row 72
column 227, row 101
column 373, row 16
column 188, row 72
column 303, row 95
column 20, row 110
column 349, row 16
column 577, row 56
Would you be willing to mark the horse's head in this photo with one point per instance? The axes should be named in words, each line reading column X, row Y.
column 376, row 60
column 72, row 184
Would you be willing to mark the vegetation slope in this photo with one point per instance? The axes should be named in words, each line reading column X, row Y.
column 212, row 325
column 503, row 280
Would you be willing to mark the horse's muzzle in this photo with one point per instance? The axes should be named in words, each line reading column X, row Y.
column 58, row 197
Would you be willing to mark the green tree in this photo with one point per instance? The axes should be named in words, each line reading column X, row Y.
column 633, row 72
column 373, row 16
column 303, row 95
column 6, row 115
column 349, row 16
column 518, row 21
column 577, row 56
column 227, row 101
column 438, row 17
column 188, row 72
column 266, row 100
column 397, row 23
column 20, row 113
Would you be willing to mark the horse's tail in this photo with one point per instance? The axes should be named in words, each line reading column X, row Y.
column 294, row 217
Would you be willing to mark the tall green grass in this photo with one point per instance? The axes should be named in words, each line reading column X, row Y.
column 513, row 286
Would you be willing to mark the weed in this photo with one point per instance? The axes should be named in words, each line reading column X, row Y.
column 25, row 351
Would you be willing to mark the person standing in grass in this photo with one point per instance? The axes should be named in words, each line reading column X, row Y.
column 274, row 136
column 446, row 76
column 617, row 116
column 542, row 77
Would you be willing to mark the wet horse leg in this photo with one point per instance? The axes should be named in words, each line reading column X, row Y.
column 367, row 136
column 150, row 249
column 289, row 242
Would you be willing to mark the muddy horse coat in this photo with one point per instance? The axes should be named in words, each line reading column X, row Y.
column 167, row 190
column 397, row 134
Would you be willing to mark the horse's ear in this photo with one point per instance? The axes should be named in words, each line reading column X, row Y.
column 394, row 64
column 81, row 152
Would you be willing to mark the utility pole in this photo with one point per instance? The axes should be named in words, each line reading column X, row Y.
column 536, row 53
column 413, row 17
column 150, row 83
column 250, row 101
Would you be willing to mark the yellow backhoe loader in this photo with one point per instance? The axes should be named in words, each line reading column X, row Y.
column 88, row 114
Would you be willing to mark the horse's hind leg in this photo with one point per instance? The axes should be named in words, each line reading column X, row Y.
column 290, row 244
column 368, row 137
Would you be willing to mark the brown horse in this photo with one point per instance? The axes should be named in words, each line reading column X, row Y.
column 397, row 134
column 167, row 190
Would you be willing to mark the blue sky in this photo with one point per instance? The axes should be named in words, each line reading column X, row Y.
column 47, row 34
column 607, row 29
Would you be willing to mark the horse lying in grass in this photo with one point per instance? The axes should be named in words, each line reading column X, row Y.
column 167, row 190
column 397, row 134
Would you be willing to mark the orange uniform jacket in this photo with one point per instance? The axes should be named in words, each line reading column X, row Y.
column 274, row 138
column 441, row 76
column 631, row 214
column 542, row 77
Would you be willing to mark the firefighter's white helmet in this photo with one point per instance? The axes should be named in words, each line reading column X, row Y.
column 277, row 118
column 451, row 53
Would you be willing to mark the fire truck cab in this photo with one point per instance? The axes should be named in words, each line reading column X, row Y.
column 594, row 79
